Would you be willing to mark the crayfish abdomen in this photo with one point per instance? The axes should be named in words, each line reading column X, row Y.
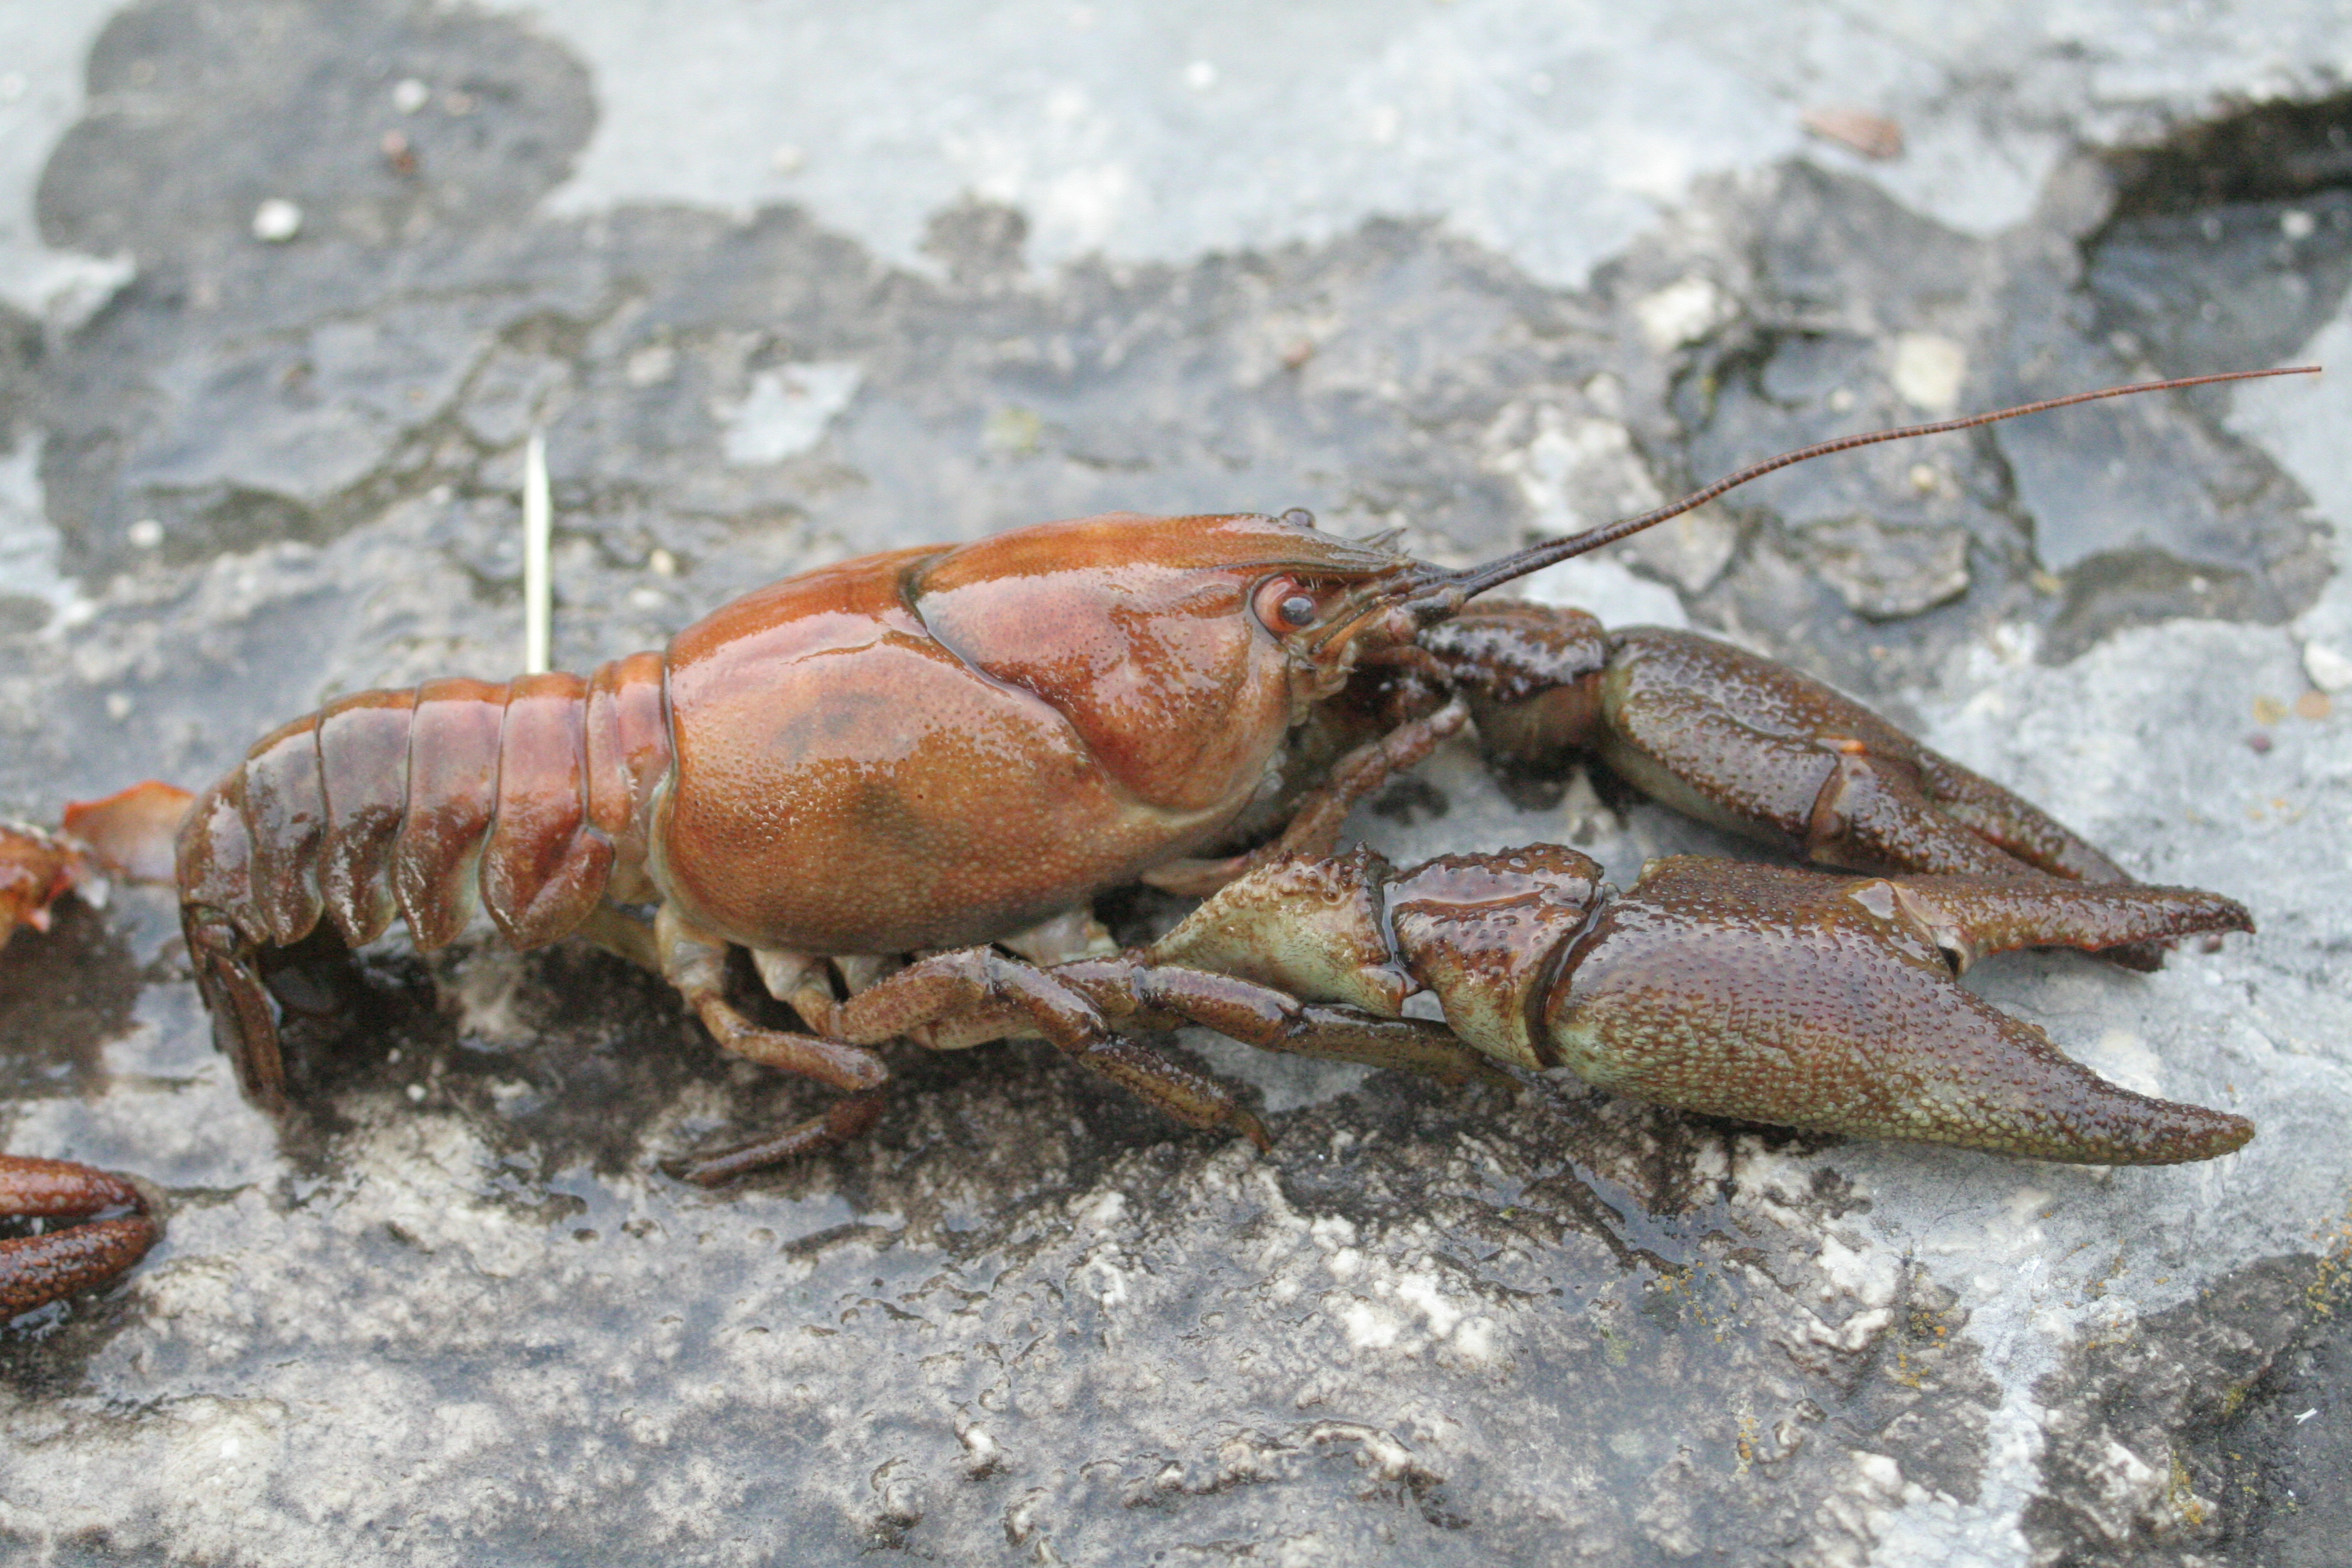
column 521, row 800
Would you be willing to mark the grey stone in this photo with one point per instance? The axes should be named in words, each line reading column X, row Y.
column 1881, row 572
column 453, row 1311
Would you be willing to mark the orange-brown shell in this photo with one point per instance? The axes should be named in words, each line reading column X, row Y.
column 930, row 748
column 36, row 870
column 518, row 799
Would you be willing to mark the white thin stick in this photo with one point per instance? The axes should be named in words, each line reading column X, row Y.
column 538, row 520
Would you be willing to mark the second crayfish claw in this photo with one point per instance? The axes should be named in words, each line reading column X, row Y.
column 1767, row 993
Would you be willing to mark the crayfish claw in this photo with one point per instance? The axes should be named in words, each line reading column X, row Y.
column 1830, row 1004
column 108, row 1229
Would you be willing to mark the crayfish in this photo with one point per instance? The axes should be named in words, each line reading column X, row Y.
column 948, row 753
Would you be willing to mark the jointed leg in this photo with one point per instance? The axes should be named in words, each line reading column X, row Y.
column 949, row 990
column 697, row 965
column 1273, row 1020
column 958, row 999
column 950, row 986
column 845, row 1120
column 245, row 1018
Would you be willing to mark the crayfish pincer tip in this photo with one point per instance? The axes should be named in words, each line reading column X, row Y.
column 2024, row 1098
column 2167, row 1132
column 2227, row 1135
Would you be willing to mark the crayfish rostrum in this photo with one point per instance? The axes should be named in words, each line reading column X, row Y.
column 948, row 753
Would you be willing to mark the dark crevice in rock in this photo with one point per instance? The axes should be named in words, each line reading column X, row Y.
column 2283, row 148
column 2226, row 248
column 2180, row 1443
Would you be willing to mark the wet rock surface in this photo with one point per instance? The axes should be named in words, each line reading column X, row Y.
column 453, row 1310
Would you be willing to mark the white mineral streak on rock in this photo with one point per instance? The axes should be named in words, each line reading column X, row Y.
column 1683, row 312
column 787, row 410
column 29, row 542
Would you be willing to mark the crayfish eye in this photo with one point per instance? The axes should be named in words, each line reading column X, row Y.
column 1285, row 605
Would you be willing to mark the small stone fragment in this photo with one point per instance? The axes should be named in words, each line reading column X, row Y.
column 2314, row 706
column 276, row 220
column 2329, row 670
column 1015, row 431
column 2269, row 710
column 1928, row 369
column 1872, row 135
column 651, row 366
column 1884, row 572
column 1682, row 312
column 409, row 95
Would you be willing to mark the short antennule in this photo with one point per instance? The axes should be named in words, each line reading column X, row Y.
column 1449, row 592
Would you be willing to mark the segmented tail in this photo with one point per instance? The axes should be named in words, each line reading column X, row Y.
column 526, row 800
